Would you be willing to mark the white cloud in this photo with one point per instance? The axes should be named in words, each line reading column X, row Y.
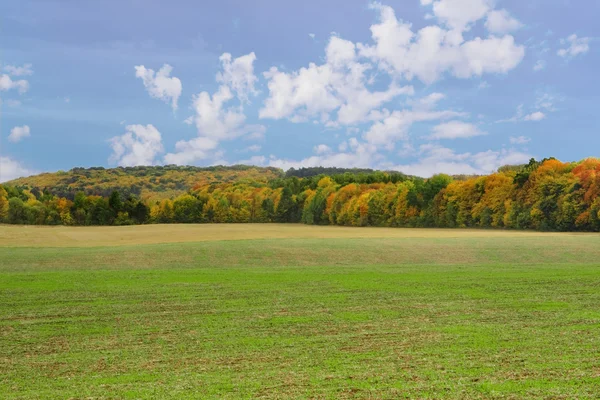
column 539, row 65
column 299, row 95
column 238, row 74
column 340, row 91
column 217, row 122
column 322, row 149
column 437, row 159
column 491, row 55
column 312, row 35
column 500, row 22
column 536, row 116
column 395, row 126
column 455, row 130
column 138, row 146
column 459, row 14
column 254, row 160
column 18, row 133
column 6, row 84
column 214, row 118
column 356, row 155
column 575, row 47
column 433, row 159
column 519, row 140
column 315, row 91
column 160, row 85
column 13, row 70
column 11, row 169
column 432, row 51
column 187, row 152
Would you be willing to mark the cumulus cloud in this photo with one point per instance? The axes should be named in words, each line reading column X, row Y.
column 215, row 118
column 11, row 169
column 432, row 159
column 138, row 146
column 395, row 126
column 500, row 21
column 433, row 50
column 313, row 92
column 459, row 14
column 18, row 133
column 189, row 151
column 576, row 46
column 25, row 70
column 345, row 90
column 254, row 160
column 435, row 159
column 238, row 74
column 160, row 85
column 7, row 83
column 455, row 130
column 536, row 116
column 356, row 155
column 322, row 149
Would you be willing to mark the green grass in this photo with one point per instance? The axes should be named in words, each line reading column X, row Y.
column 307, row 318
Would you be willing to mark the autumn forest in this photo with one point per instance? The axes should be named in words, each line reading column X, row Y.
column 544, row 195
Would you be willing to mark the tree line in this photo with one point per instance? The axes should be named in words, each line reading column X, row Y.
column 543, row 195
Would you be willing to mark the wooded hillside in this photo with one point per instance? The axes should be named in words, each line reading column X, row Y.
column 147, row 183
column 542, row 195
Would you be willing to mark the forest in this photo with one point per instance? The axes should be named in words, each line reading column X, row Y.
column 148, row 183
column 547, row 195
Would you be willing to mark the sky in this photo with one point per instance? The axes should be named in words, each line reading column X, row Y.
column 418, row 86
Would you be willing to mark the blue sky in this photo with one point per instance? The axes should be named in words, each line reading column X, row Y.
column 421, row 86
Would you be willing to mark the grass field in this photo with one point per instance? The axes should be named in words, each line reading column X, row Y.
column 280, row 311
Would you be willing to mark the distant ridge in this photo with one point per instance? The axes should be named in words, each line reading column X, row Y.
column 146, row 182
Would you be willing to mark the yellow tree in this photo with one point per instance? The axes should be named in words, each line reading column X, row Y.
column 3, row 203
column 498, row 188
column 339, row 200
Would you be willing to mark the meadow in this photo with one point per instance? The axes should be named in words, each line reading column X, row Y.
column 280, row 311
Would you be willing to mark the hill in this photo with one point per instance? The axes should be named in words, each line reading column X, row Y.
column 148, row 183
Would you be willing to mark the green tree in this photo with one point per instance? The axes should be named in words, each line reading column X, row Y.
column 268, row 207
column 285, row 208
column 115, row 202
column 16, row 211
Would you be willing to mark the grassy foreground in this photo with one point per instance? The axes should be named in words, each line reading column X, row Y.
column 381, row 314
